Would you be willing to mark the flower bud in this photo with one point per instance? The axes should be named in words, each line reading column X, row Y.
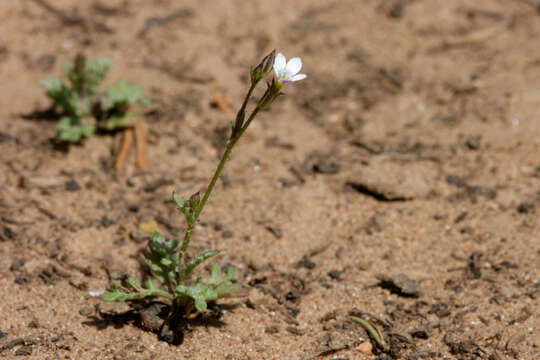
column 194, row 201
column 266, row 65
column 271, row 93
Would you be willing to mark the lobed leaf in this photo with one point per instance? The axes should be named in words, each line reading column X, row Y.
column 63, row 97
column 211, row 289
column 199, row 258
column 124, row 93
column 74, row 129
column 117, row 294
column 87, row 79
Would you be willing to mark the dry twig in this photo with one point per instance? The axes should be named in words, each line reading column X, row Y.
column 127, row 140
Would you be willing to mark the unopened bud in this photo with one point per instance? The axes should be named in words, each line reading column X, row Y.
column 194, row 200
column 265, row 66
column 271, row 93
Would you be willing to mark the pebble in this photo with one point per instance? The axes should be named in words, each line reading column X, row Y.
column 365, row 348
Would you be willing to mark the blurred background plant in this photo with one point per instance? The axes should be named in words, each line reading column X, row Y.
column 83, row 107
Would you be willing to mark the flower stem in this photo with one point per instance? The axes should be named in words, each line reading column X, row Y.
column 239, row 122
column 244, row 104
column 231, row 143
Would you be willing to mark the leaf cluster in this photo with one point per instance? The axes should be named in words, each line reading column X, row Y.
column 84, row 106
column 170, row 270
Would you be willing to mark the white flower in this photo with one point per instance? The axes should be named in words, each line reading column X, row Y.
column 288, row 71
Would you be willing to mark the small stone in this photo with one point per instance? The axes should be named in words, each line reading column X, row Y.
column 401, row 285
column 275, row 231
column 113, row 308
column 17, row 265
column 272, row 329
column 152, row 316
column 335, row 274
column 306, row 262
column 25, row 350
column 79, row 284
column 295, row 331
column 440, row 309
column 365, row 348
column 10, row 234
column 139, row 236
column 420, row 334
column 134, row 208
column 86, row 311
column 22, row 278
column 525, row 207
column 327, row 167
column 106, row 221
column 473, row 143
column 396, row 11
column 218, row 226
column 34, row 324
column 73, row 185
column 391, row 181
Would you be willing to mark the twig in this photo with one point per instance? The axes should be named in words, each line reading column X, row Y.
column 66, row 19
column 222, row 104
column 127, row 140
column 44, row 211
column 471, row 39
column 159, row 21
column 182, row 74
column 141, row 144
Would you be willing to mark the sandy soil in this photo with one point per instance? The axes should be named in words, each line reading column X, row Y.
column 399, row 182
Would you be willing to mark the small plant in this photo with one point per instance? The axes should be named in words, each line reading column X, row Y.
column 168, row 261
column 82, row 104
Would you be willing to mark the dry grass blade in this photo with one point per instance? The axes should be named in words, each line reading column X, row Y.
column 371, row 329
column 127, row 140
column 222, row 104
column 142, row 145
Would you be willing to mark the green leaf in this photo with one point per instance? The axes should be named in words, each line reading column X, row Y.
column 124, row 93
column 64, row 98
column 180, row 204
column 211, row 289
column 199, row 258
column 173, row 244
column 228, row 289
column 117, row 294
column 113, row 296
column 73, row 129
column 166, row 262
column 231, row 273
column 134, row 283
column 86, row 77
column 200, row 304
column 119, row 121
column 162, row 258
column 150, row 285
column 215, row 276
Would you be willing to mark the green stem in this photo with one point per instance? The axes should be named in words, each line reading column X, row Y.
column 164, row 294
column 244, row 104
column 217, row 173
column 369, row 328
column 238, row 123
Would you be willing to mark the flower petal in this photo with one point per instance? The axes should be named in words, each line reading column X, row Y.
column 298, row 77
column 280, row 63
column 293, row 66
